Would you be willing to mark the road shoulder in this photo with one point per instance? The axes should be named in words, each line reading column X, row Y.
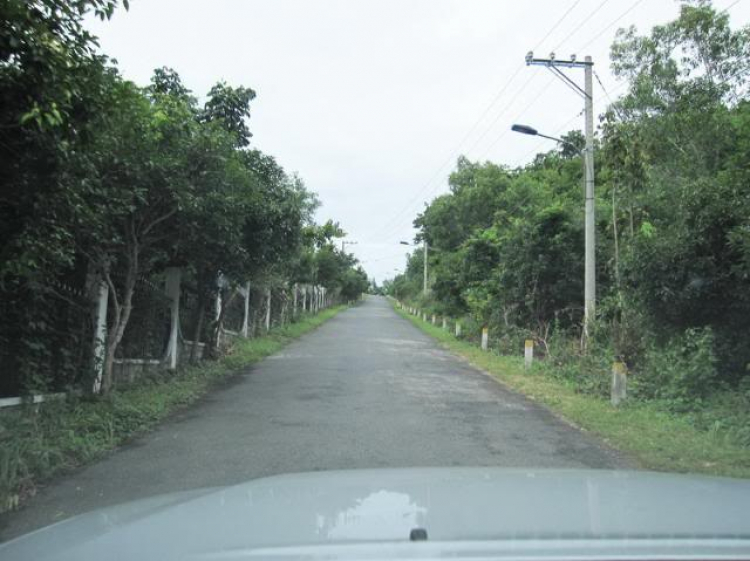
column 651, row 438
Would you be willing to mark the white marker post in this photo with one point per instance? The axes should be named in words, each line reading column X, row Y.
column 528, row 353
column 445, row 323
column 433, row 319
column 458, row 329
column 485, row 339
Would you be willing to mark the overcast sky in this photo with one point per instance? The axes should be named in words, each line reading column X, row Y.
column 372, row 101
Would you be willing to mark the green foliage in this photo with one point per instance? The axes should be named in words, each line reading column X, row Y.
column 100, row 178
column 683, row 371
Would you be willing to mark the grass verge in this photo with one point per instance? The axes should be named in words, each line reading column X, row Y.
column 39, row 442
column 656, row 439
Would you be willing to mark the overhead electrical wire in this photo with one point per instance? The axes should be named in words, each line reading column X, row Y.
column 476, row 123
column 632, row 7
column 581, row 24
column 523, row 111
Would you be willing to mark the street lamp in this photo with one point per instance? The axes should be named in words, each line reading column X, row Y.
column 589, row 285
column 424, row 282
column 525, row 129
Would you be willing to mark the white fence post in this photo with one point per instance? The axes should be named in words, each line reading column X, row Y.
column 294, row 301
column 246, row 314
column 445, row 323
column 433, row 319
column 268, row 310
column 100, row 332
column 458, row 329
column 528, row 353
column 172, row 288
column 485, row 339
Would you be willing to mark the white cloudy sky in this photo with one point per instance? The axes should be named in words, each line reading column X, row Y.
column 371, row 101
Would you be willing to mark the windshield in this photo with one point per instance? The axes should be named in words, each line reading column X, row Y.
column 250, row 239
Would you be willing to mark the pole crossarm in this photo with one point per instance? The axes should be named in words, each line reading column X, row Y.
column 554, row 66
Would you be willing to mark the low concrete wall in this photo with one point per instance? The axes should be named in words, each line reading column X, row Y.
column 127, row 370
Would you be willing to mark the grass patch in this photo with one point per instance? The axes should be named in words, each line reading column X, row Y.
column 39, row 442
column 656, row 438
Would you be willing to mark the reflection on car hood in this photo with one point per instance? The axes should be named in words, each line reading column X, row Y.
column 466, row 512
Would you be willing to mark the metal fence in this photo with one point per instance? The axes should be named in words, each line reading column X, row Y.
column 47, row 333
column 147, row 333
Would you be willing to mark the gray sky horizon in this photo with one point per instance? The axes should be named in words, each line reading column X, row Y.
column 371, row 102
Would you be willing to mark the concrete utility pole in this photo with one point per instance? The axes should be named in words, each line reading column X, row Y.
column 425, row 250
column 424, row 285
column 589, row 291
column 590, row 279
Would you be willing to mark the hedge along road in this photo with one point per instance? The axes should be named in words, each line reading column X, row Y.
column 365, row 390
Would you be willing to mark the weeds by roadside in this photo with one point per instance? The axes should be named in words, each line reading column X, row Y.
column 39, row 442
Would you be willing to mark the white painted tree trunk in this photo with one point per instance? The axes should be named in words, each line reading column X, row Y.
column 100, row 332
column 172, row 286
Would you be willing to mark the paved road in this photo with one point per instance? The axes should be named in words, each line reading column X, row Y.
column 366, row 389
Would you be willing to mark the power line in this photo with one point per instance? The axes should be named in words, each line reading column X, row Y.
column 559, row 21
column 497, row 118
column 596, row 75
column 580, row 25
column 542, row 91
column 732, row 5
column 632, row 7
column 395, row 218
column 473, row 127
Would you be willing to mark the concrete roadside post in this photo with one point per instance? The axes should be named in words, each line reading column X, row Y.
column 485, row 339
column 433, row 320
column 424, row 316
column 458, row 329
column 445, row 323
column 619, row 383
column 528, row 353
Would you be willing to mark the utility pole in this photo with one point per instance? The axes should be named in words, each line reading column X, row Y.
column 554, row 66
column 424, row 286
column 425, row 251
column 590, row 270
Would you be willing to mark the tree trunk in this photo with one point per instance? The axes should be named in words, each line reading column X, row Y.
column 120, row 321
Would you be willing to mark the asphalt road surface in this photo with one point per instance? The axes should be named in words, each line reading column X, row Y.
column 365, row 390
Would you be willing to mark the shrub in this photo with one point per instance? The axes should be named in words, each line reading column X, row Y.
column 683, row 371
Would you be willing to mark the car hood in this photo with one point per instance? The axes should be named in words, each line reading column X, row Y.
column 466, row 512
